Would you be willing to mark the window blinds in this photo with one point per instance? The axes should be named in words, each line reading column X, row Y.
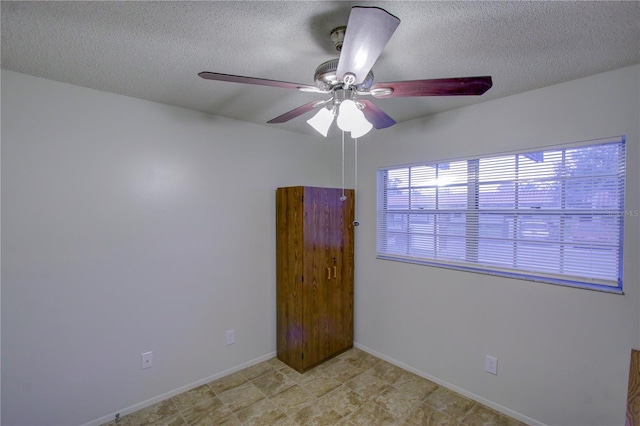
column 555, row 215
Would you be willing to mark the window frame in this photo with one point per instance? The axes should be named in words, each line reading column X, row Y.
column 473, row 214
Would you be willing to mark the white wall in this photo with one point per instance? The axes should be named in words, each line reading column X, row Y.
column 563, row 352
column 129, row 226
column 122, row 233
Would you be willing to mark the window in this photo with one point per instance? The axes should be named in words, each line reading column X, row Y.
column 554, row 216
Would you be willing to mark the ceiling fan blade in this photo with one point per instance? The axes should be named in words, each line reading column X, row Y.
column 296, row 112
column 376, row 116
column 368, row 31
column 258, row 81
column 435, row 87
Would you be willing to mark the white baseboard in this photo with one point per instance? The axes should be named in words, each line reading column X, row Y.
column 463, row 392
column 166, row 395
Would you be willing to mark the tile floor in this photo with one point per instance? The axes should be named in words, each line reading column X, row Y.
column 354, row 388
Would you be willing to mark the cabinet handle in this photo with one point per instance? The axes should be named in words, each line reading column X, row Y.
column 335, row 272
column 328, row 273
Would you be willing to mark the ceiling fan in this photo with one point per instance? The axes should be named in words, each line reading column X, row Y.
column 349, row 77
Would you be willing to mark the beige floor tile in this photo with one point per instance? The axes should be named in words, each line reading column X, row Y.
column 206, row 411
column 263, row 412
column 174, row 420
column 425, row 415
column 228, row 382
column 398, row 402
column 344, row 422
column 480, row 415
column 318, row 386
column 344, row 370
column 371, row 414
column 360, row 359
column 292, row 374
column 257, row 370
column 192, row 397
column 408, row 379
column 316, row 415
column 277, row 364
column 292, row 399
column 416, row 387
column 241, row 396
column 358, row 356
column 273, row 383
column 164, row 413
column 342, row 400
column 331, row 361
column 367, row 385
column 287, row 421
column 352, row 389
column 386, row 371
column 302, row 378
column 228, row 421
column 450, row 403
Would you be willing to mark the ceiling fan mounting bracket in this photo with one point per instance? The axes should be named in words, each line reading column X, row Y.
column 337, row 36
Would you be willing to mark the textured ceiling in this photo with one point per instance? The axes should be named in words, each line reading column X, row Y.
column 154, row 50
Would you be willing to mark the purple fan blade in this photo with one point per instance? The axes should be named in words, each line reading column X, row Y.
column 376, row 116
column 436, row 87
column 257, row 81
column 368, row 31
column 296, row 112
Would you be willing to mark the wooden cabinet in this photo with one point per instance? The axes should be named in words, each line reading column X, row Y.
column 314, row 245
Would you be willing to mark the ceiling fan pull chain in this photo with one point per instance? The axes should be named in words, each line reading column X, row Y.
column 343, row 197
column 355, row 178
column 355, row 182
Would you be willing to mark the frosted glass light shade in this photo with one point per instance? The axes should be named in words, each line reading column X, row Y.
column 351, row 119
column 347, row 115
column 321, row 121
column 361, row 128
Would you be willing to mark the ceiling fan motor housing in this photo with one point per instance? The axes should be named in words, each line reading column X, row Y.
column 325, row 77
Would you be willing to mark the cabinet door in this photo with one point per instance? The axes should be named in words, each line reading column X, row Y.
column 317, row 275
column 328, row 301
column 290, row 273
column 341, row 287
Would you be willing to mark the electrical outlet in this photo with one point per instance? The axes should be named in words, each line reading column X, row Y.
column 491, row 364
column 147, row 359
column 231, row 337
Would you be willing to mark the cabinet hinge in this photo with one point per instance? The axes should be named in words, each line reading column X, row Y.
column 302, row 355
column 303, row 278
column 302, row 198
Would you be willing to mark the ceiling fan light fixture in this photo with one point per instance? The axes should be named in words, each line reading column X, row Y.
column 321, row 121
column 361, row 128
column 348, row 115
column 352, row 119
